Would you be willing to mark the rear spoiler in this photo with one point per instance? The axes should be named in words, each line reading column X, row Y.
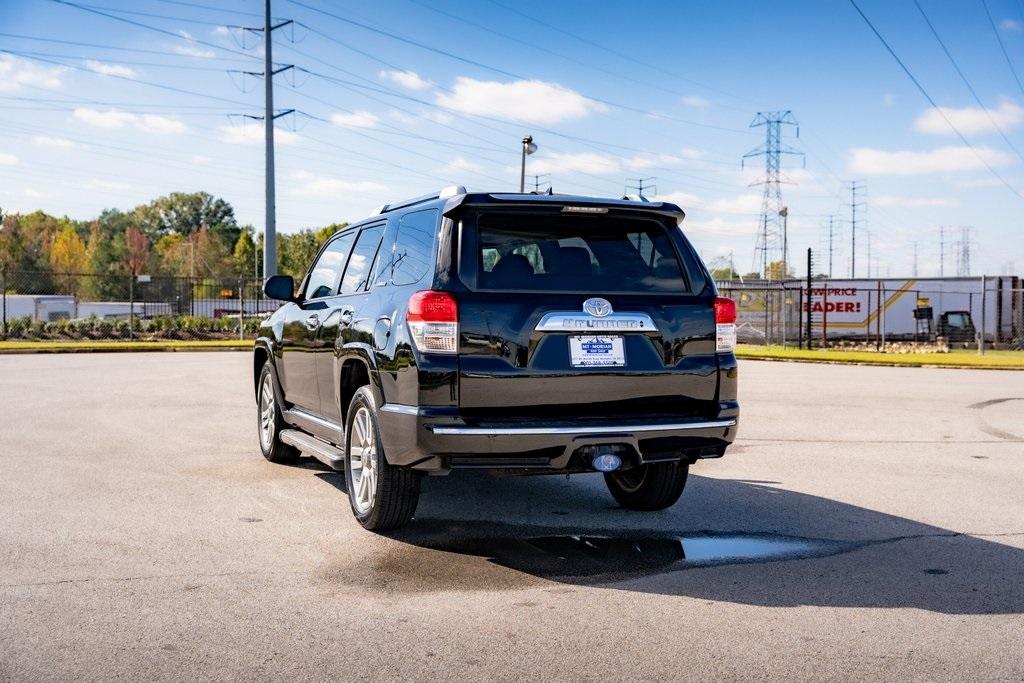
column 461, row 202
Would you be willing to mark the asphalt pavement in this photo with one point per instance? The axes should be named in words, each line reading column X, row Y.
column 868, row 523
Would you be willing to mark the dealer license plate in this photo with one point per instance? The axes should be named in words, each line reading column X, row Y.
column 596, row 352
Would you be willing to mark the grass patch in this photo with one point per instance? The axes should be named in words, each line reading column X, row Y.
column 959, row 358
column 122, row 346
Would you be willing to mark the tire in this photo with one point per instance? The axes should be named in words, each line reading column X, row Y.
column 382, row 496
column 268, row 419
column 648, row 487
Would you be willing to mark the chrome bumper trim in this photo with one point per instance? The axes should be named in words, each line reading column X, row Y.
column 604, row 429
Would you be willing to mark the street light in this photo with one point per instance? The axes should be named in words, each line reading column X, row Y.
column 528, row 148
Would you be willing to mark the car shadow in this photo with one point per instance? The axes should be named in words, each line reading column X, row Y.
column 728, row 540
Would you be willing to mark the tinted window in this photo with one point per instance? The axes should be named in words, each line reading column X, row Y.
column 358, row 270
column 576, row 253
column 323, row 277
column 414, row 247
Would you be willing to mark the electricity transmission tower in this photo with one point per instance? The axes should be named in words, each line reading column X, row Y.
column 769, row 236
column 641, row 184
column 854, row 205
column 963, row 255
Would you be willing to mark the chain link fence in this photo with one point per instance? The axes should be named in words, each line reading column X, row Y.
column 41, row 305
column 891, row 314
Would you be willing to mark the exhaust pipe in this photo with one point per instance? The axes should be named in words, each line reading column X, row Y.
column 606, row 461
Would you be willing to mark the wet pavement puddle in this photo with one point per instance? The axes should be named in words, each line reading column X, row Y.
column 600, row 557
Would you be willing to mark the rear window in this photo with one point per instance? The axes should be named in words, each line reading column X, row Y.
column 574, row 253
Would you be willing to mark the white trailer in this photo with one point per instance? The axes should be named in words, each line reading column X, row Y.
column 40, row 307
column 875, row 308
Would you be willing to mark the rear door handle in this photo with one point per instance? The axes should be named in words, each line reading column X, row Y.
column 313, row 321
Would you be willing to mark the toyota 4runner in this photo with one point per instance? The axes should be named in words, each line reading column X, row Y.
column 520, row 333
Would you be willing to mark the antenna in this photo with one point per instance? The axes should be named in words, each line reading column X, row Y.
column 641, row 184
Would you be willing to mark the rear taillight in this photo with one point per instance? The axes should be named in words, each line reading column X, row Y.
column 434, row 322
column 725, row 325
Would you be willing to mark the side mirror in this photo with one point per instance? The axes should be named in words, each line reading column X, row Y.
column 281, row 287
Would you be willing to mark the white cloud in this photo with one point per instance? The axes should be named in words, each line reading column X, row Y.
column 915, row 202
column 969, row 119
column 252, row 135
column 696, row 101
column 888, row 99
column 32, row 193
column 16, row 72
column 151, row 123
column 356, row 119
column 402, row 117
column 533, row 101
column 97, row 184
column 194, row 51
column 111, row 118
column 1011, row 25
column 645, row 161
column 682, row 199
column 7, row 159
column 744, row 203
column 221, row 31
column 587, row 162
column 437, row 116
column 945, row 159
column 114, row 118
column 312, row 185
column 110, row 69
column 201, row 160
column 410, row 80
column 48, row 141
column 691, row 153
column 461, row 165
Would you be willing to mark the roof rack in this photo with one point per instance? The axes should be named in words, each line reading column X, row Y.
column 444, row 193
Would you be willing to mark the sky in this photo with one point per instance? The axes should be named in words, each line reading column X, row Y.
column 110, row 103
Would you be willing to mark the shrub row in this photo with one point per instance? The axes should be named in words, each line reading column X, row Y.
column 160, row 327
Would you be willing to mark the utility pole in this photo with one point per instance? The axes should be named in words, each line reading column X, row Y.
column 942, row 250
column 785, row 242
column 638, row 184
column 867, row 236
column 268, row 118
column 854, row 186
column 769, row 238
column 830, row 243
column 537, row 181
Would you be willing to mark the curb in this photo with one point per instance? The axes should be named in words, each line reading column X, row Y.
column 879, row 363
column 140, row 348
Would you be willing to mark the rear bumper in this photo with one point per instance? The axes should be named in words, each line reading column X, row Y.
column 440, row 439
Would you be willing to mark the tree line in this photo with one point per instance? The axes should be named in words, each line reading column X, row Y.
column 182, row 234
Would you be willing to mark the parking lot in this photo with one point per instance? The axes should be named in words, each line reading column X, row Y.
column 869, row 521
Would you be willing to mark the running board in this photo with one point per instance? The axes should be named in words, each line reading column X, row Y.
column 310, row 445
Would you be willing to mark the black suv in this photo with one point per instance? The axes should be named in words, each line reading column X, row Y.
column 521, row 333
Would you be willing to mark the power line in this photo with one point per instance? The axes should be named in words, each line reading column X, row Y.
column 1002, row 47
column 615, row 52
column 495, row 69
column 928, row 97
column 854, row 205
column 967, row 82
